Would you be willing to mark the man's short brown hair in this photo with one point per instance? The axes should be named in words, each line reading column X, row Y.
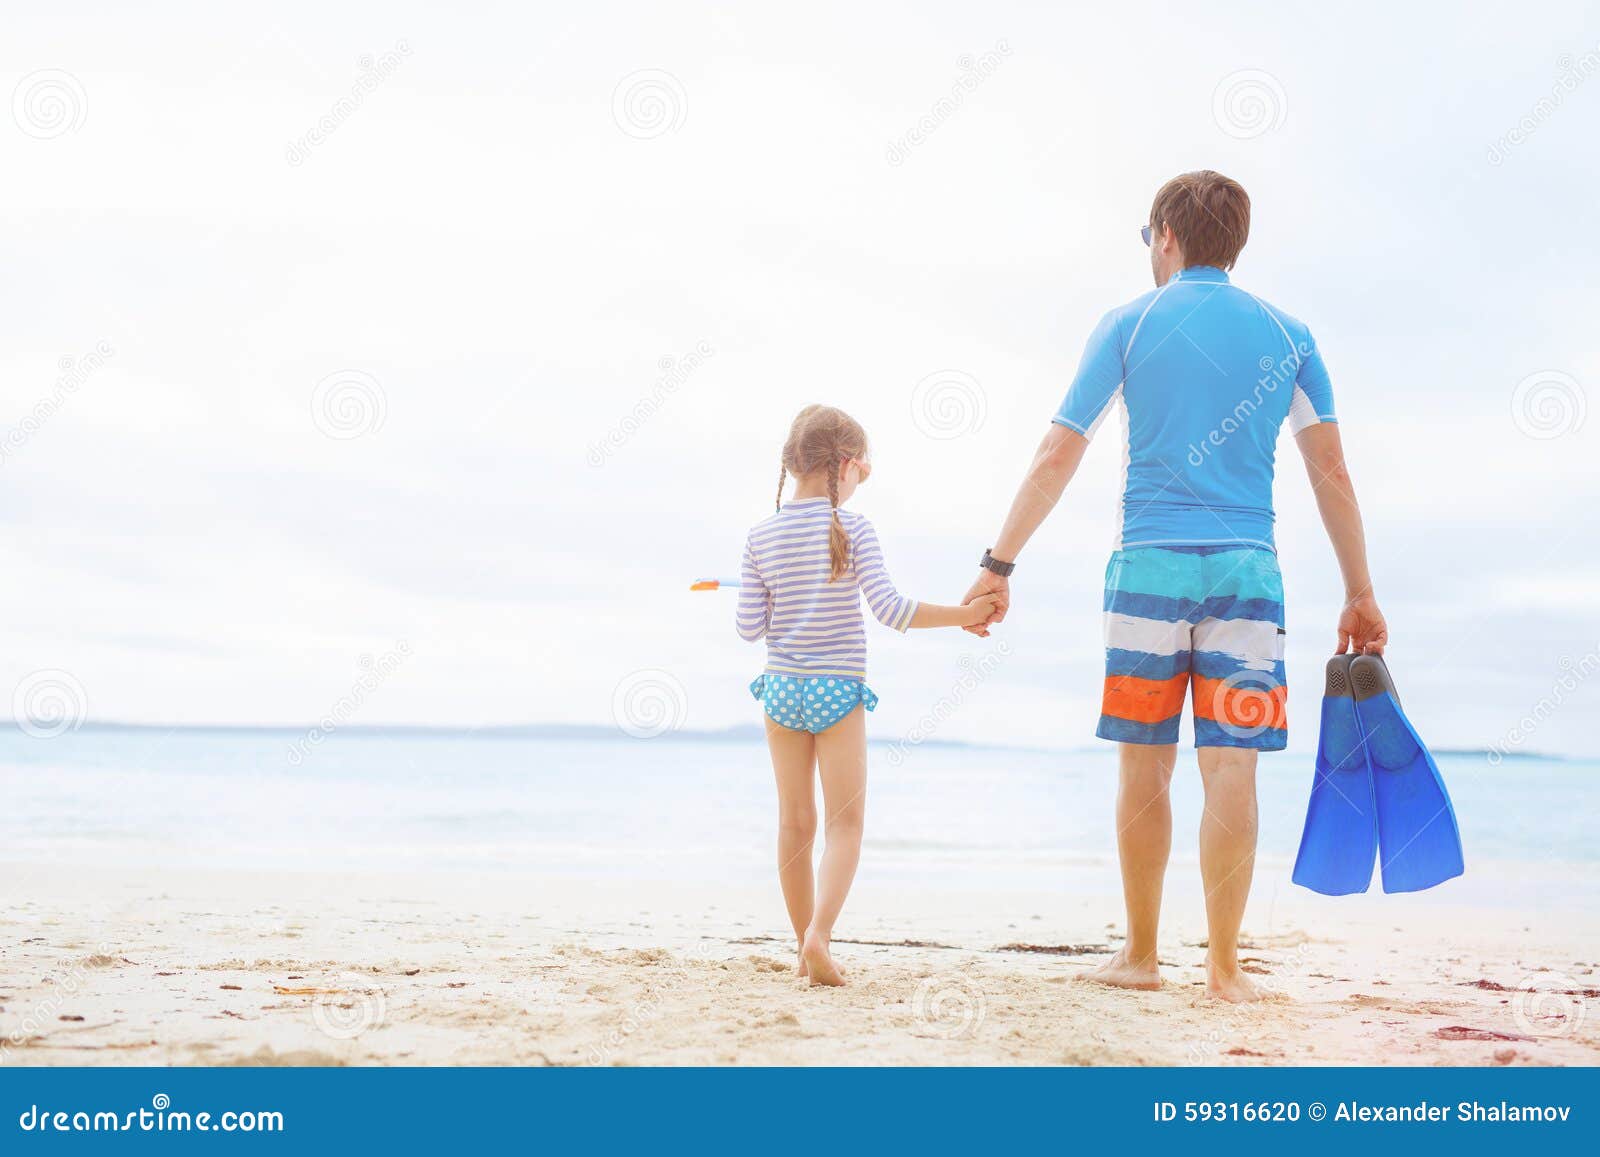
column 1209, row 215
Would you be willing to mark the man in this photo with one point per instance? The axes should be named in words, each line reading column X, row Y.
column 1203, row 374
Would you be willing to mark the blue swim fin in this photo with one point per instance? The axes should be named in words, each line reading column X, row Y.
column 1340, row 840
column 1419, row 843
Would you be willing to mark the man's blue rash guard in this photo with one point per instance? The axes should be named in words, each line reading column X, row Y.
column 1205, row 374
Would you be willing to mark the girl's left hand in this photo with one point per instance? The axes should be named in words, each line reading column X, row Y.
column 980, row 610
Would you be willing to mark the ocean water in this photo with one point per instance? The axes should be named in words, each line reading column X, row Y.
column 674, row 808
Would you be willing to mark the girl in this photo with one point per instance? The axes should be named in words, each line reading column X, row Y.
column 804, row 572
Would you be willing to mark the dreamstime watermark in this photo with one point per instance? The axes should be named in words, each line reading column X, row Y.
column 1549, row 404
column 647, row 1009
column 1248, row 703
column 350, row 1006
column 949, row 1007
column 973, row 674
column 948, row 404
column 49, row 103
column 1248, row 103
column 1570, row 73
column 649, row 103
column 74, row 372
column 372, row 72
column 1550, row 1004
column 349, row 404
column 674, row 373
column 1574, row 672
column 64, row 984
column 1233, row 1028
column 1275, row 373
column 160, row 1117
column 971, row 72
column 649, row 703
column 49, row 703
column 374, row 672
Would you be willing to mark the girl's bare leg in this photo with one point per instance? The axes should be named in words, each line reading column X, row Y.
column 842, row 762
column 794, row 767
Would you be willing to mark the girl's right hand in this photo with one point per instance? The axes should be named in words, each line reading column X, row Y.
column 980, row 610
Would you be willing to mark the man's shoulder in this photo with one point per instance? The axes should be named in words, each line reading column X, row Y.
column 1123, row 317
column 1296, row 328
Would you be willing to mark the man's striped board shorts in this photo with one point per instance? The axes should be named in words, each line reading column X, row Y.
column 1210, row 617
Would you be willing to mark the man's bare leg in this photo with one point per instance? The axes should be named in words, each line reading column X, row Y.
column 1227, row 863
column 1144, row 840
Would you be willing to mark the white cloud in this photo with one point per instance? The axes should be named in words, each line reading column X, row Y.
column 510, row 267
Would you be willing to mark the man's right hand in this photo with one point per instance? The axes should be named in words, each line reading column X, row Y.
column 989, row 583
column 1361, row 627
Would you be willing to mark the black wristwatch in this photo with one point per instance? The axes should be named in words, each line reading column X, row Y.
column 1003, row 569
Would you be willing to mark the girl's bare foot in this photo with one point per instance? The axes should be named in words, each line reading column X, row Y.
column 818, row 961
column 1119, row 972
column 800, row 954
column 1231, row 985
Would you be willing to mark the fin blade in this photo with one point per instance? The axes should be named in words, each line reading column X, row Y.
column 1339, row 844
column 1419, row 840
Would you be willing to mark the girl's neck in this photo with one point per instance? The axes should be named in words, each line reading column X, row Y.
column 805, row 488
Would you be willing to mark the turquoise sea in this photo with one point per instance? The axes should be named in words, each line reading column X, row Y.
column 678, row 807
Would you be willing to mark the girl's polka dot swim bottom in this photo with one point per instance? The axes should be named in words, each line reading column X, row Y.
column 811, row 703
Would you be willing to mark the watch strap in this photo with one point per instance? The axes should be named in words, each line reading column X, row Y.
column 990, row 563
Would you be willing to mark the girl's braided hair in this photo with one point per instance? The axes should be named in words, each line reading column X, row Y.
column 823, row 438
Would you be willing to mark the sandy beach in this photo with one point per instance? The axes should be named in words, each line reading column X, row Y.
column 239, row 968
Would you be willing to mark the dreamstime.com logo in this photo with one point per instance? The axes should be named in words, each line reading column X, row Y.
column 373, row 673
column 1248, row 704
column 949, row 1007
column 1570, row 73
column 1550, row 1005
column 64, row 982
column 371, row 72
column 49, row 703
column 948, row 404
column 74, row 374
column 1574, row 673
column 49, row 103
column 971, row 72
column 350, row 1006
column 160, row 1117
column 646, row 1011
column 649, row 703
column 973, row 673
column 674, row 373
column 1248, row 104
column 1549, row 404
column 1275, row 373
column 649, row 103
column 349, row 404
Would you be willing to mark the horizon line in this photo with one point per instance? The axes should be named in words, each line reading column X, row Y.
column 602, row 732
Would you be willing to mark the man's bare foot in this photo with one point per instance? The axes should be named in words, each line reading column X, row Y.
column 1119, row 972
column 1232, row 985
column 818, row 961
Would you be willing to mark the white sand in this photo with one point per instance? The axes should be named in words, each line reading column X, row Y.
column 174, row 968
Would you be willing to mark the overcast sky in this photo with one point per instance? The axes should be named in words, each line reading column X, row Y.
column 327, row 334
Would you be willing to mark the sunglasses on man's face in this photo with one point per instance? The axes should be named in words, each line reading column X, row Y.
column 1146, row 232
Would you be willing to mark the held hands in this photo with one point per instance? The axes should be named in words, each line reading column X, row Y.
column 992, row 593
column 979, row 611
column 1361, row 627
